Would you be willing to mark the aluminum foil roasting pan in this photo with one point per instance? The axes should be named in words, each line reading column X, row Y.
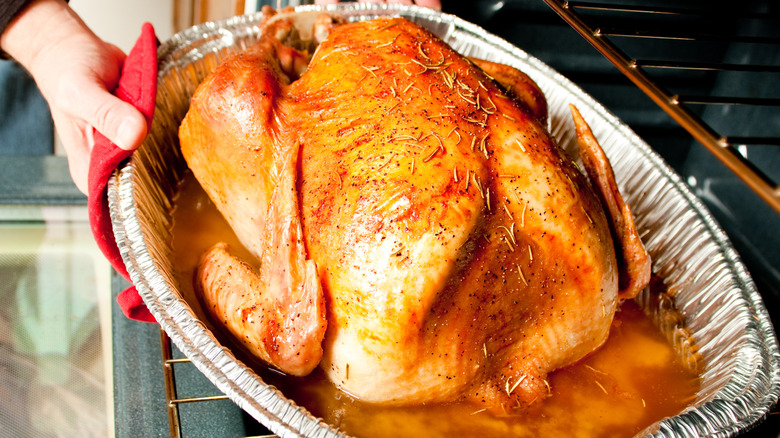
column 711, row 288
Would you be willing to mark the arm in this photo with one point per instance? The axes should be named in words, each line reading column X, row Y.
column 75, row 71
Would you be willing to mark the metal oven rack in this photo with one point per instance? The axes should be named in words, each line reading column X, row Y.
column 615, row 30
column 170, row 363
column 171, row 397
column 596, row 22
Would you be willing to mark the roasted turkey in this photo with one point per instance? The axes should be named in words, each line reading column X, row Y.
column 418, row 233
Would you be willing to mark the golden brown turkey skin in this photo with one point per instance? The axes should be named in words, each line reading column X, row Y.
column 460, row 253
column 518, row 86
column 634, row 262
column 245, row 158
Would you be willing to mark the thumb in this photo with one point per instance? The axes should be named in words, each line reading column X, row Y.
column 118, row 121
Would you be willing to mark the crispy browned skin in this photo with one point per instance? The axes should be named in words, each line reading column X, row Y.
column 518, row 86
column 246, row 161
column 461, row 254
column 634, row 262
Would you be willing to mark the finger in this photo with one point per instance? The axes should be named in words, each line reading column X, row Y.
column 403, row 2
column 433, row 4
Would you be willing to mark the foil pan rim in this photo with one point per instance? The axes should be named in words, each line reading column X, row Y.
column 282, row 416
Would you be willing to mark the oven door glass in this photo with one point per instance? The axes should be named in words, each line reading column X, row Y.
column 55, row 338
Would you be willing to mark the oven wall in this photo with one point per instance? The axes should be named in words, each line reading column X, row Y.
column 119, row 21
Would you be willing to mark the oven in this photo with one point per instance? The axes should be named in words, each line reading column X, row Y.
column 696, row 82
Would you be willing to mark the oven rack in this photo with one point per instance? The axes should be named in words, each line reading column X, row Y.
column 172, row 399
column 602, row 29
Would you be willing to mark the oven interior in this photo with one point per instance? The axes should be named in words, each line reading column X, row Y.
column 721, row 65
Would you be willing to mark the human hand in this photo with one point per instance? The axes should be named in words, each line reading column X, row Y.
column 434, row 4
column 75, row 71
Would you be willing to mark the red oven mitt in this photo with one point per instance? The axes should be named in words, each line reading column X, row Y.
column 138, row 86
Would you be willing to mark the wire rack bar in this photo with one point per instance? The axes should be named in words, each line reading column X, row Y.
column 726, row 100
column 685, row 36
column 170, row 384
column 197, row 399
column 714, row 142
column 712, row 12
column 693, row 65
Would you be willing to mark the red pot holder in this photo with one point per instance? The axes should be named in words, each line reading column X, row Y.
column 138, row 86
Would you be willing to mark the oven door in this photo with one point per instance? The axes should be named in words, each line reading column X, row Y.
column 55, row 329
